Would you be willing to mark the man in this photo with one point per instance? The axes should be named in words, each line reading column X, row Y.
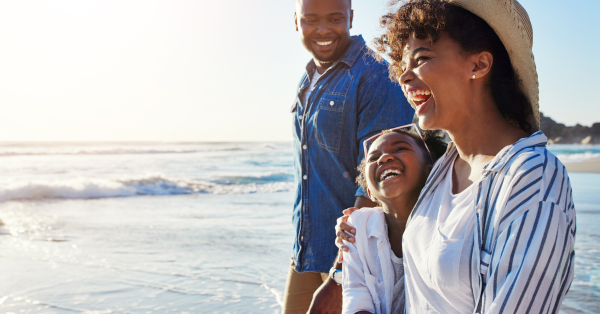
column 344, row 97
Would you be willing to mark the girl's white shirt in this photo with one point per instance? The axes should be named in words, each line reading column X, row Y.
column 368, row 276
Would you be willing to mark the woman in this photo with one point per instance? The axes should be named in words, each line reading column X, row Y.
column 493, row 230
column 393, row 172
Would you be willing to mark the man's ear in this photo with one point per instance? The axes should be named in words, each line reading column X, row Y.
column 296, row 20
column 482, row 64
column 351, row 18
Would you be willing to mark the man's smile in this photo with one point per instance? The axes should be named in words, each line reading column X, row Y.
column 324, row 43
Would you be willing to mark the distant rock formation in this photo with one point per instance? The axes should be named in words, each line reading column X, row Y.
column 558, row 133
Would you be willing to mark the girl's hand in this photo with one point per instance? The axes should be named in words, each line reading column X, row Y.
column 341, row 231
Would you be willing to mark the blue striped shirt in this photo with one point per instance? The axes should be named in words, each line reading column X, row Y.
column 522, row 257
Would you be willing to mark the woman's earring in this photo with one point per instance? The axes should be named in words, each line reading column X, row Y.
column 473, row 76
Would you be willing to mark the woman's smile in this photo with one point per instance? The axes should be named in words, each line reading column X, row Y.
column 419, row 98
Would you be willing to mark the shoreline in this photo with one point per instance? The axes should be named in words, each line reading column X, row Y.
column 588, row 166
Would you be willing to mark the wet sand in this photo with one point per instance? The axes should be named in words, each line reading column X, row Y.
column 588, row 166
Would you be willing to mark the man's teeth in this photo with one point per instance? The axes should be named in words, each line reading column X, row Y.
column 419, row 92
column 388, row 174
column 324, row 43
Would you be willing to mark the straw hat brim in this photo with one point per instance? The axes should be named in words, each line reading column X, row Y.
column 512, row 25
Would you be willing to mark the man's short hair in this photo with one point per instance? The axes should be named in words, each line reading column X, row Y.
column 349, row 3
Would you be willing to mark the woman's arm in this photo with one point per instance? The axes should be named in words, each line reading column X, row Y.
column 343, row 231
column 531, row 266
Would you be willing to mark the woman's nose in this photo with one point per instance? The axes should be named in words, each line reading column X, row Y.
column 407, row 76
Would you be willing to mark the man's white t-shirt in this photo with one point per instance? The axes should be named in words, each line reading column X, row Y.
column 313, row 82
column 437, row 246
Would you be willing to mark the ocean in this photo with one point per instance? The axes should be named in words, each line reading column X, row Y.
column 180, row 227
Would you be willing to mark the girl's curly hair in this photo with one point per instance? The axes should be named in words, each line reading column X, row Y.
column 427, row 19
column 434, row 140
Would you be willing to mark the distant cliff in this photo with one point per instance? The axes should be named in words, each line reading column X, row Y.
column 558, row 133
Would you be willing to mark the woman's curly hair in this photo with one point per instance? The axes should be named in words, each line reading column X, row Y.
column 434, row 140
column 427, row 19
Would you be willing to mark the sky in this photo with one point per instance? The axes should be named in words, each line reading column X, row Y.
column 199, row 70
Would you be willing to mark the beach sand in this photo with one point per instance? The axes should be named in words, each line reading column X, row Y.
column 589, row 166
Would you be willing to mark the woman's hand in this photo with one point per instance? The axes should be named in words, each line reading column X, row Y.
column 341, row 231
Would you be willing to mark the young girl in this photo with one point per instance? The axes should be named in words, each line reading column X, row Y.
column 394, row 172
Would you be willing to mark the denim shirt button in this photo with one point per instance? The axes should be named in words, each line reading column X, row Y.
column 331, row 103
column 304, row 177
column 303, row 146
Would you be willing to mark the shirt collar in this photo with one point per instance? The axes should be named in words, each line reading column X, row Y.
column 537, row 139
column 357, row 43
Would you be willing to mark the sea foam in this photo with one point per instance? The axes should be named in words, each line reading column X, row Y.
column 84, row 188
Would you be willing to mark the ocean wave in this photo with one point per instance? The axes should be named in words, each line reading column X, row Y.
column 259, row 178
column 95, row 151
column 127, row 149
column 568, row 158
column 83, row 188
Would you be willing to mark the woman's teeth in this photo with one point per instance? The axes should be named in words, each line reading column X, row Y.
column 415, row 93
column 388, row 174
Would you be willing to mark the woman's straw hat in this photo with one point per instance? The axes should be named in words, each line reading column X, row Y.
column 511, row 23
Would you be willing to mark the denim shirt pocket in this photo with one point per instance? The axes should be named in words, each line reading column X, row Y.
column 329, row 122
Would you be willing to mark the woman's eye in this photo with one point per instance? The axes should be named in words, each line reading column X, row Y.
column 335, row 20
column 420, row 60
column 372, row 159
column 400, row 149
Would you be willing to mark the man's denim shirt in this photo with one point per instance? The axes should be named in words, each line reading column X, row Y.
column 352, row 100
